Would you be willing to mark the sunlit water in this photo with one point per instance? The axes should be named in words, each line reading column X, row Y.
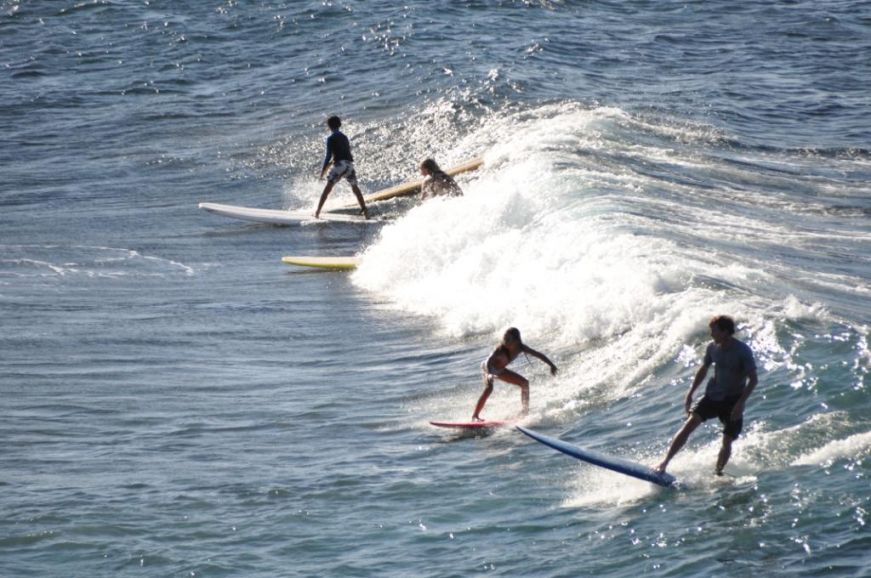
column 178, row 402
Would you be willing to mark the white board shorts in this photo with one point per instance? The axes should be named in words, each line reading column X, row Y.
column 342, row 169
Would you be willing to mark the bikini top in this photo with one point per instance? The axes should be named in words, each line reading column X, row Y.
column 507, row 353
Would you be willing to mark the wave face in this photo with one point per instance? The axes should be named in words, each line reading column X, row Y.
column 594, row 227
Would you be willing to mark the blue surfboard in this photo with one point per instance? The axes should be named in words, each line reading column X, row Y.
column 603, row 461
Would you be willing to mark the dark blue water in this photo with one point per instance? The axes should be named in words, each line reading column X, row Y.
column 176, row 401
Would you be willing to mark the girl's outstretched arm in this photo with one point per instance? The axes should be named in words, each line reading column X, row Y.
column 541, row 356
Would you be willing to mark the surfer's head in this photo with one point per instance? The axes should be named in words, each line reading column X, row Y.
column 511, row 335
column 723, row 323
column 722, row 327
column 334, row 122
column 429, row 167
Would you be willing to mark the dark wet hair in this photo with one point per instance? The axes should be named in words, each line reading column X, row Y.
column 514, row 333
column 334, row 122
column 431, row 166
column 723, row 323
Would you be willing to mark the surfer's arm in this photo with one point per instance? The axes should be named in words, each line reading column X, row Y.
column 697, row 380
column 738, row 410
column 327, row 158
column 540, row 356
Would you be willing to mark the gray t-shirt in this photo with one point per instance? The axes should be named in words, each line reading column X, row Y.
column 732, row 366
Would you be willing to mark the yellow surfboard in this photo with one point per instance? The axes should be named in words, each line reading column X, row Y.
column 344, row 263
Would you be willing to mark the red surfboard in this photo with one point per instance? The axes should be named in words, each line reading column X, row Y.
column 486, row 424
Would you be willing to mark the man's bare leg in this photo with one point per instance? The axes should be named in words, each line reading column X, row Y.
column 680, row 438
column 725, row 453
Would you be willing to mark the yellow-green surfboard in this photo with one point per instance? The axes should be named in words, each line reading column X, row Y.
column 340, row 263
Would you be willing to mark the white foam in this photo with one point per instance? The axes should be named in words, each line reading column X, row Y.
column 854, row 447
column 564, row 243
column 546, row 243
column 598, row 487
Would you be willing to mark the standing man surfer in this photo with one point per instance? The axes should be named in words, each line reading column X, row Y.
column 726, row 393
column 496, row 366
column 339, row 151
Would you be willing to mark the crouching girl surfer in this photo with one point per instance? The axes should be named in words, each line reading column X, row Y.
column 496, row 366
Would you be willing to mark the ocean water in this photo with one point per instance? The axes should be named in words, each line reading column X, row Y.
column 176, row 402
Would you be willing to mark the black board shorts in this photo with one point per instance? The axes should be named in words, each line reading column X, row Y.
column 707, row 408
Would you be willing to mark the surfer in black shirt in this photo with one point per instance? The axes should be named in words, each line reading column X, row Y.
column 339, row 151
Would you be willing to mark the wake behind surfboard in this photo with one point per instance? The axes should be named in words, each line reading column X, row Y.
column 618, row 465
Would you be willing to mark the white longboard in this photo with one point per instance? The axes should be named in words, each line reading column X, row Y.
column 322, row 262
column 278, row 217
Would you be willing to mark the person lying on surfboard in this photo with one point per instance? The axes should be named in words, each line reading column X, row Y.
column 436, row 182
column 726, row 393
column 496, row 366
column 339, row 151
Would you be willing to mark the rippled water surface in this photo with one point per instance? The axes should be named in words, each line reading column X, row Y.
column 176, row 401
